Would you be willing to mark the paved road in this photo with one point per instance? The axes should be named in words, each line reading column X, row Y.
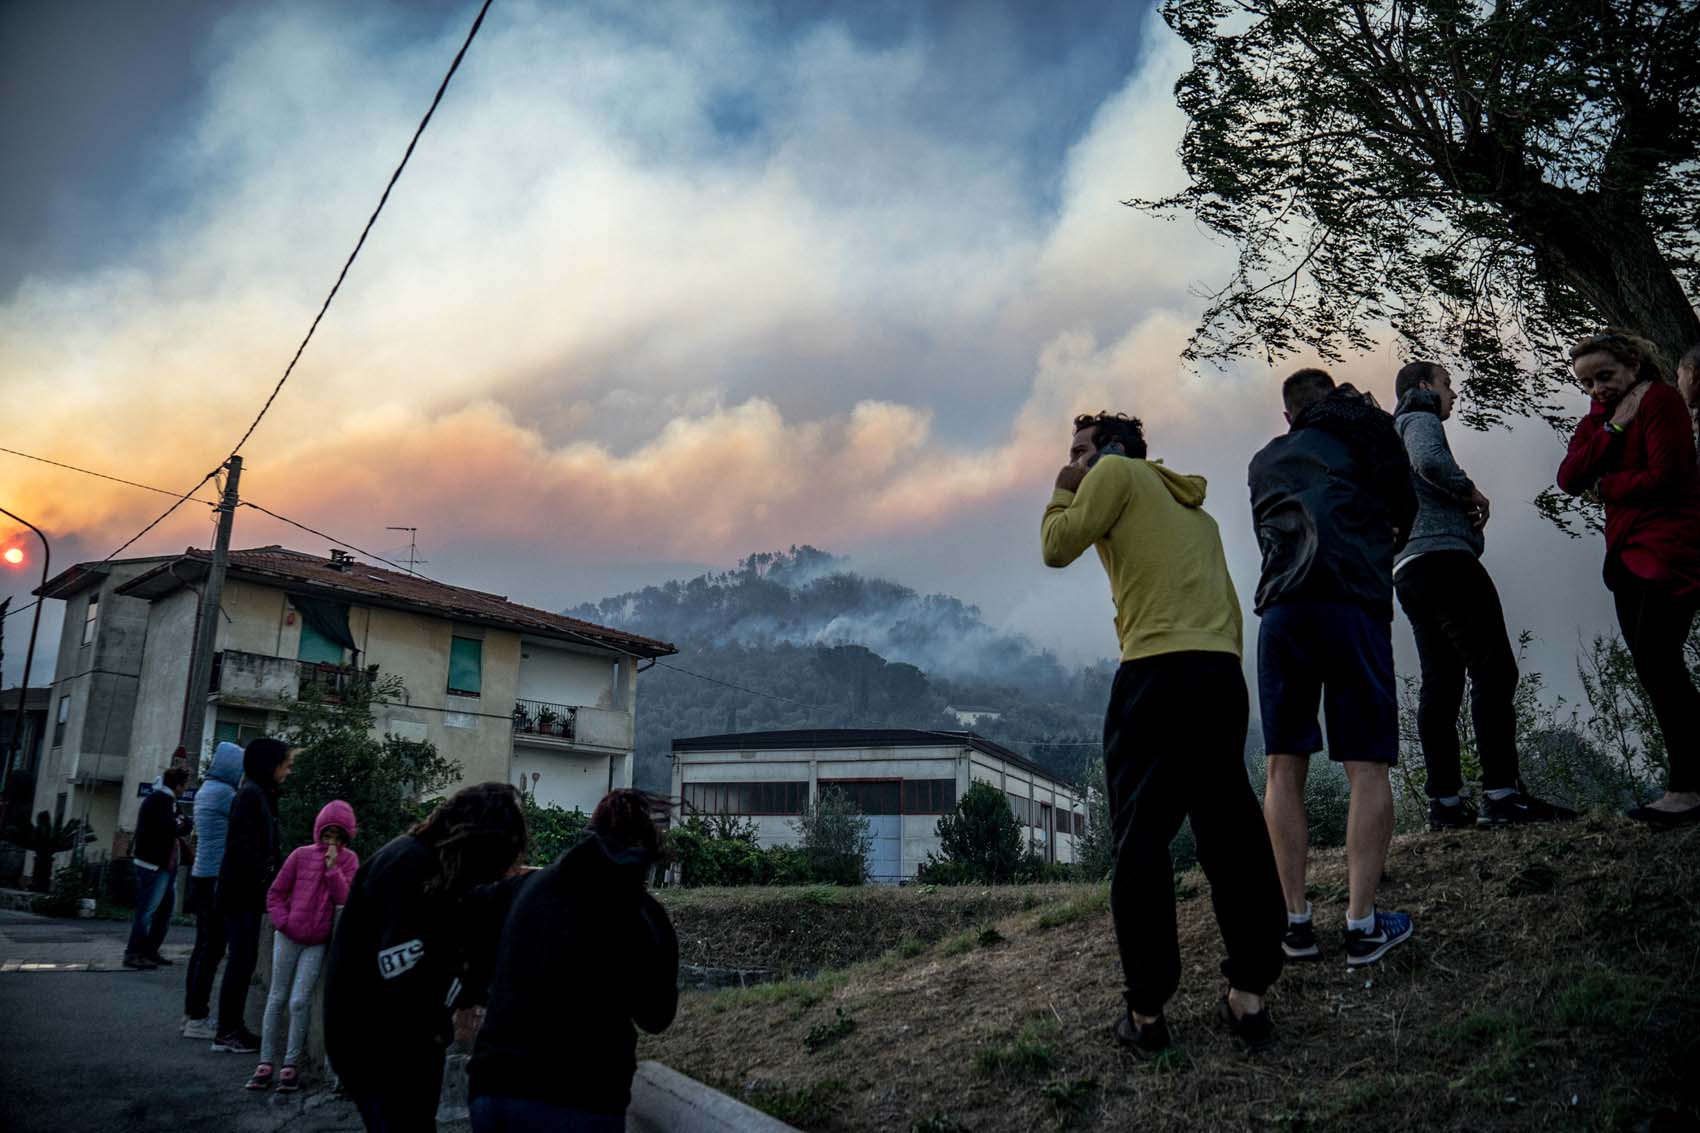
column 87, row 1044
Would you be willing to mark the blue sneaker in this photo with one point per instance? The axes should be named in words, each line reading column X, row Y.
column 1368, row 947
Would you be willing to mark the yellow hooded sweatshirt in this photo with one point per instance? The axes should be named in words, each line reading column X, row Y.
column 1161, row 549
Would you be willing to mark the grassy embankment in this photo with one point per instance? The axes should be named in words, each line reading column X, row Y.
column 1550, row 984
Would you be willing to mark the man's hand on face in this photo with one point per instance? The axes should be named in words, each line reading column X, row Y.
column 1479, row 509
column 1069, row 478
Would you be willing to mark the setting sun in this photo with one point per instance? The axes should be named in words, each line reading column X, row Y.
column 13, row 555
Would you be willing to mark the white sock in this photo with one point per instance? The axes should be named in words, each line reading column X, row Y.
column 1500, row 793
column 1361, row 924
column 1300, row 918
column 1449, row 800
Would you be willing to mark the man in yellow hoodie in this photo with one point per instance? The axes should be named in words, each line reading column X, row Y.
column 1174, row 735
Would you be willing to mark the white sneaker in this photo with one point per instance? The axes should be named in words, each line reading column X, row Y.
column 200, row 1029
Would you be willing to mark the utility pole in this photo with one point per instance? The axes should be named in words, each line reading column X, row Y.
column 200, row 665
column 29, row 656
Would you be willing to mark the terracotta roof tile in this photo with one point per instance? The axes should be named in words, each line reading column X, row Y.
column 358, row 580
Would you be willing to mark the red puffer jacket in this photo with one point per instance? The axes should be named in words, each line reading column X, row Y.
column 302, row 901
column 1647, row 479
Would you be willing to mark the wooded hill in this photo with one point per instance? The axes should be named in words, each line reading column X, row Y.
column 812, row 644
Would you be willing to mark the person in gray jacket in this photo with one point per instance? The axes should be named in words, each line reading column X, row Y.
column 1457, row 620
column 212, row 820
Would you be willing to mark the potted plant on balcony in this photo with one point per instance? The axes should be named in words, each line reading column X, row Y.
column 546, row 720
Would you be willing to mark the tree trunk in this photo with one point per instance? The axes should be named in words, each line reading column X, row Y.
column 1608, row 254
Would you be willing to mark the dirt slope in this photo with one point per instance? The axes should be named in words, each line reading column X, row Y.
column 1550, row 984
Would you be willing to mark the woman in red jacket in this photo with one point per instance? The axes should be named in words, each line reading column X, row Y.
column 1635, row 451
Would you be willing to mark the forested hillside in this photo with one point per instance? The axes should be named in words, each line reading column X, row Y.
column 809, row 643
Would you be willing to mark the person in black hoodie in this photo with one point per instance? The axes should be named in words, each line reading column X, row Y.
column 1332, row 502
column 558, row 1049
column 252, row 855
column 399, row 949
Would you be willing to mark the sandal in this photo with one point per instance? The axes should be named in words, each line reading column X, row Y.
column 262, row 1079
column 287, row 1082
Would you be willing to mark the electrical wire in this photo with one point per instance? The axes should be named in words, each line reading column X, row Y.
column 97, row 475
column 370, row 221
column 335, row 287
column 334, row 539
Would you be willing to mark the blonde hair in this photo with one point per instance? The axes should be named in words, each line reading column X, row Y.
column 1629, row 349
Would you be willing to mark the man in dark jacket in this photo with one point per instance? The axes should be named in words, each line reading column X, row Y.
column 154, row 859
column 252, row 855
column 531, row 939
column 1457, row 620
column 1331, row 500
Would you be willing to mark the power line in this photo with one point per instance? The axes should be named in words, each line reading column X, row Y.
column 740, row 688
column 370, row 221
column 97, row 475
column 335, row 287
column 334, row 539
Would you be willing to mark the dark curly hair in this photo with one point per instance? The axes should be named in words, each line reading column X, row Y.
column 476, row 835
column 625, row 820
column 1117, row 428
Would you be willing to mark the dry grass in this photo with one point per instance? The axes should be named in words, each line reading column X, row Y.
column 1549, row 985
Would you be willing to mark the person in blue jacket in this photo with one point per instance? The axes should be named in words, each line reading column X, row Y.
column 212, row 820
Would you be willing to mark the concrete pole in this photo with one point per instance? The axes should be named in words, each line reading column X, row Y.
column 200, row 665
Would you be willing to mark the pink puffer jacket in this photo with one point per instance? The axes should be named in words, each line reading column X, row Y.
column 303, row 900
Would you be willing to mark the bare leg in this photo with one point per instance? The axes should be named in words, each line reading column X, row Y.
column 1289, row 825
column 1369, row 828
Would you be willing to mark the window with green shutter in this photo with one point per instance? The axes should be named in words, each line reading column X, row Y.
column 466, row 665
column 316, row 648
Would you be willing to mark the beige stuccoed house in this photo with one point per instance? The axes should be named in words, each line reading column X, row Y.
column 511, row 693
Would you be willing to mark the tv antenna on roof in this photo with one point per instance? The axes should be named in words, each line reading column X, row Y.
column 413, row 558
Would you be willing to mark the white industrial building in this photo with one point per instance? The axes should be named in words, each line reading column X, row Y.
column 902, row 779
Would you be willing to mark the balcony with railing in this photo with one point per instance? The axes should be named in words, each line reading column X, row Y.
column 571, row 725
column 257, row 678
column 540, row 720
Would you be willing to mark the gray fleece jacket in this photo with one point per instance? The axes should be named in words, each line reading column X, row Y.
column 1443, row 490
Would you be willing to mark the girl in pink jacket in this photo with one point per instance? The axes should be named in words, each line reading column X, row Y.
column 302, row 903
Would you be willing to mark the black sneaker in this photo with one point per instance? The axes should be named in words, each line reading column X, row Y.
column 1518, row 808
column 1145, row 1042
column 1450, row 816
column 1256, row 1031
column 1368, row 947
column 237, row 1042
column 1300, row 942
column 160, row 961
column 1664, row 819
column 140, row 963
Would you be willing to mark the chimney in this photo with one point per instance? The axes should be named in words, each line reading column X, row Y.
column 341, row 560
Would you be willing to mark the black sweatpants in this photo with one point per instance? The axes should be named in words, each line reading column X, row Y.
column 209, row 946
column 242, row 933
column 1460, row 630
column 1655, row 626
column 1174, row 747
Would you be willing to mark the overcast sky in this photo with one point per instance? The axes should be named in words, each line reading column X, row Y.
column 663, row 285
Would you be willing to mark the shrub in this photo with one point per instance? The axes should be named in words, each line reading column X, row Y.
column 718, row 850
column 552, row 830
column 835, row 839
column 979, row 841
column 383, row 779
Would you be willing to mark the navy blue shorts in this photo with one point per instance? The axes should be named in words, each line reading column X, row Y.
column 1337, row 654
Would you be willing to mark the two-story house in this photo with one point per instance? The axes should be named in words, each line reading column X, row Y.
column 509, row 692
